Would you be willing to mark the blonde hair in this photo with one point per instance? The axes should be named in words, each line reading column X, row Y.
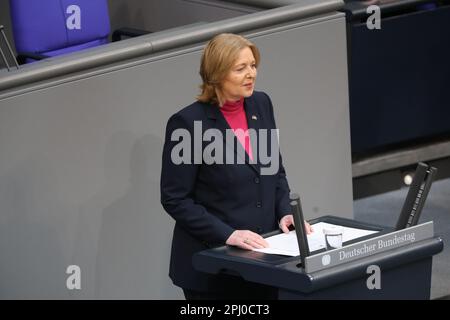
column 218, row 58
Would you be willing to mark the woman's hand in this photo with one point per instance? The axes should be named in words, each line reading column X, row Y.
column 288, row 220
column 246, row 239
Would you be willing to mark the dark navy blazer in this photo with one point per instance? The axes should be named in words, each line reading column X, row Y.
column 210, row 201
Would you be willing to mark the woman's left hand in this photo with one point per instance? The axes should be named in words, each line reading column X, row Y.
column 288, row 220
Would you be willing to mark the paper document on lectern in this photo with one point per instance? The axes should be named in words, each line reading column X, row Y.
column 286, row 243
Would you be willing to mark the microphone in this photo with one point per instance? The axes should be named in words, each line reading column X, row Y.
column 417, row 194
column 299, row 222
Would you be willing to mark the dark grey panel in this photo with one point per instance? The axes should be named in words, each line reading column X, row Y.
column 5, row 20
column 157, row 15
column 267, row 4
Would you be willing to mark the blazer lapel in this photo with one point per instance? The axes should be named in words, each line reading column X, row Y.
column 253, row 122
column 213, row 113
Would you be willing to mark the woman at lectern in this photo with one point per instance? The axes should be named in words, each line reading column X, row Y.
column 222, row 177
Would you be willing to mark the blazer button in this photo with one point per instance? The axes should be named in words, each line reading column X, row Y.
column 256, row 180
column 258, row 204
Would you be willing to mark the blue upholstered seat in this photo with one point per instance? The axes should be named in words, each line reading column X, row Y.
column 47, row 28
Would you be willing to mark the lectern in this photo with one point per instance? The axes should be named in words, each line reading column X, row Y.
column 404, row 259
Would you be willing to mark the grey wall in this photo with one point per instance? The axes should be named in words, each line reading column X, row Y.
column 80, row 161
column 305, row 74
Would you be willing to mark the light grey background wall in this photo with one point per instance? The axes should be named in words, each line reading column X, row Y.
column 80, row 161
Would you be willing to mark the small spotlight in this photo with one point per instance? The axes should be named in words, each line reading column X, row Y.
column 407, row 179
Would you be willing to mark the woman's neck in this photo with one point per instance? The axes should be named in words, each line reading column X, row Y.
column 222, row 99
column 233, row 106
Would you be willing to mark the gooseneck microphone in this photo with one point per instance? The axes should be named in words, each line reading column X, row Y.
column 300, row 230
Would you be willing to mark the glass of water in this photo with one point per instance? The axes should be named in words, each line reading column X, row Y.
column 333, row 237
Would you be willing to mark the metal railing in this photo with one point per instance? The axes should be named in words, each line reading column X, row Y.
column 161, row 41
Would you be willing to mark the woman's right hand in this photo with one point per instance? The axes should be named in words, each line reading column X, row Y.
column 246, row 239
column 288, row 220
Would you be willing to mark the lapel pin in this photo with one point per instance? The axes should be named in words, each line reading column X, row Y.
column 254, row 117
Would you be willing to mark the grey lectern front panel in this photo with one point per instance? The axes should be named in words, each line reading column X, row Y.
column 80, row 161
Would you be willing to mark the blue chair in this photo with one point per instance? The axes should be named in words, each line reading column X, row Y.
column 48, row 28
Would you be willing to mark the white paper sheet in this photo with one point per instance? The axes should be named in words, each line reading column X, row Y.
column 286, row 243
